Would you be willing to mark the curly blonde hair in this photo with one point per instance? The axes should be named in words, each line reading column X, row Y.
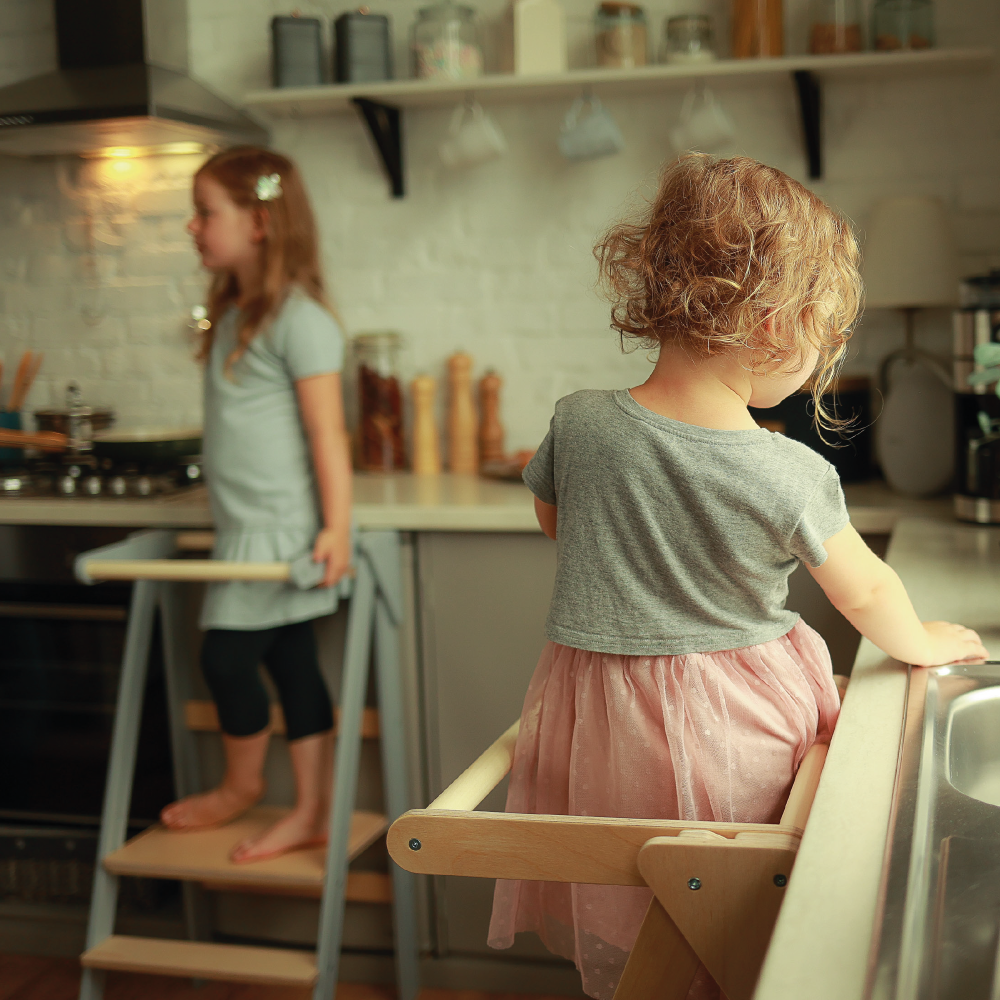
column 725, row 246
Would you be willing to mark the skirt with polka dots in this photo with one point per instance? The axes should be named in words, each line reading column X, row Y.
column 699, row 736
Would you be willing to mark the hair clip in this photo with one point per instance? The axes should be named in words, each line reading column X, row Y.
column 268, row 187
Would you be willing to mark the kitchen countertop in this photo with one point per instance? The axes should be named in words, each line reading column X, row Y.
column 449, row 502
column 823, row 936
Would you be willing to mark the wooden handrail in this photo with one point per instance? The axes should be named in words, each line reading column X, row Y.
column 481, row 776
column 193, row 570
column 800, row 798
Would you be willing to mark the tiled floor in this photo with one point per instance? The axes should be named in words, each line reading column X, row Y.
column 25, row 977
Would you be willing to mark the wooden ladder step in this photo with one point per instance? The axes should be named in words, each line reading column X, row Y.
column 200, row 960
column 203, row 855
column 203, row 717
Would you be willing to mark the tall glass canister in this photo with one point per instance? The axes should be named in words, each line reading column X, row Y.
column 380, row 401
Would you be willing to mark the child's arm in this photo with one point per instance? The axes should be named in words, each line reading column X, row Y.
column 547, row 514
column 872, row 598
column 322, row 409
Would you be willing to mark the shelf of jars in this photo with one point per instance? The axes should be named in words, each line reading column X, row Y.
column 302, row 102
column 381, row 103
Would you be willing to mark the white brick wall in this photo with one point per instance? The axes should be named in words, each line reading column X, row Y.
column 96, row 270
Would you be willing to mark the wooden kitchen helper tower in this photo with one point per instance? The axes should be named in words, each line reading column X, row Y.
column 717, row 887
column 200, row 858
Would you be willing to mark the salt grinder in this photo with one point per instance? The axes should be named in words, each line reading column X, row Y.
column 462, row 450
column 426, row 449
column 490, row 429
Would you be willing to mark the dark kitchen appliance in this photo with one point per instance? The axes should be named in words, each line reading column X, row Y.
column 362, row 46
column 122, row 80
column 977, row 408
column 849, row 452
column 296, row 51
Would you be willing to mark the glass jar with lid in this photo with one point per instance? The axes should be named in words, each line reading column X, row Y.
column 380, row 402
column 688, row 39
column 621, row 35
column 445, row 43
column 902, row 24
column 836, row 27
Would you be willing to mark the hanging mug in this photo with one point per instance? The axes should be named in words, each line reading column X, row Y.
column 589, row 131
column 473, row 138
column 703, row 125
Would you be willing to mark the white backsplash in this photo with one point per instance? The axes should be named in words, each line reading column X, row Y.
column 96, row 270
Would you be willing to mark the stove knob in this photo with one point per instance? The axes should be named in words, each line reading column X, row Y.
column 118, row 486
column 93, row 486
column 67, row 485
column 144, row 486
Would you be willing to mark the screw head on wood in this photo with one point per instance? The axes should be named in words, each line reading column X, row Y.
column 694, row 883
column 415, row 844
column 781, row 881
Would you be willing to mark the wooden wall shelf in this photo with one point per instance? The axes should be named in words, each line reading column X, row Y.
column 807, row 72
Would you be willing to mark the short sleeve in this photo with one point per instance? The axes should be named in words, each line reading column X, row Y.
column 309, row 340
column 539, row 473
column 825, row 515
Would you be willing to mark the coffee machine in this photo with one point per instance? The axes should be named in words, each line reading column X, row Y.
column 977, row 408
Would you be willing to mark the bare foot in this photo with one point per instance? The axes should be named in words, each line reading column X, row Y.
column 300, row 828
column 213, row 808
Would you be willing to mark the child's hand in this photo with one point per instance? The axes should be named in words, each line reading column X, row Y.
column 950, row 643
column 333, row 547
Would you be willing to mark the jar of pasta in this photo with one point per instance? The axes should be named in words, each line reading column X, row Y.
column 902, row 24
column 380, row 403
column 836, row 27
column 621, row 35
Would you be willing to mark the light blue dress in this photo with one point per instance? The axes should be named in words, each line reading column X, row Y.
column 258, row 467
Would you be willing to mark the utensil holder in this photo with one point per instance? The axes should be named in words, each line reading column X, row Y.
column 11, row 421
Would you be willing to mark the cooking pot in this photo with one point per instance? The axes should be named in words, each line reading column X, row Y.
column 76, row 420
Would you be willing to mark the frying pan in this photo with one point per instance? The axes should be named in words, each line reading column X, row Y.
column 144, row 445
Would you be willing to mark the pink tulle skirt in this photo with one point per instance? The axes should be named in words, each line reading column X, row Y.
column 701, row 736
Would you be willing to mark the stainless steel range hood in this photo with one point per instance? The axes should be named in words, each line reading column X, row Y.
column 122, row 82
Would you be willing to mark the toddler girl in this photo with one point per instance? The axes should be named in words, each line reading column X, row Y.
column 279, row 478
column 676, row 685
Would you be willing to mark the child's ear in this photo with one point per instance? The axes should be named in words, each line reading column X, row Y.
column 261, row 220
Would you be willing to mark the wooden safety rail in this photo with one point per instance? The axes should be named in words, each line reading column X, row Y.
column 717, row 886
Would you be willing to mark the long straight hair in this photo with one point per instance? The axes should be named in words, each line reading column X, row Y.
column 290, row 246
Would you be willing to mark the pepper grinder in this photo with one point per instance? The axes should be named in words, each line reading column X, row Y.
column 426, row 449
column 462, row 451
column 490, row 429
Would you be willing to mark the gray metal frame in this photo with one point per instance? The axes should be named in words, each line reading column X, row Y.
column 376, row 611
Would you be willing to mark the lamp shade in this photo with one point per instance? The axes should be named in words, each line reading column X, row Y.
column 909, row 255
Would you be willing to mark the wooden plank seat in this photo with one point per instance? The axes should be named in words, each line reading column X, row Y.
column 717, row 886
column 203, row 856
column 202, row 716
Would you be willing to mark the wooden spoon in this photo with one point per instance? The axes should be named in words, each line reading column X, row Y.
column 17, row 392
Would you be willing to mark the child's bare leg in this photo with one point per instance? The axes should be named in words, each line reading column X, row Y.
column 312, row 762
column 242, row 785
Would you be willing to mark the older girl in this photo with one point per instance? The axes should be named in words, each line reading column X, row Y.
column 279, row 478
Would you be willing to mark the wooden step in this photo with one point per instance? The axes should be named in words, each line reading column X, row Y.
column 229, row 962
column 203, row 717
column 203, row 855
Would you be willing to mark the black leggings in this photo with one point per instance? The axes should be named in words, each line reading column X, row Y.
column 229, row 661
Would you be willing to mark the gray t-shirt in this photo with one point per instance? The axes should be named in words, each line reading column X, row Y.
column 674, row 538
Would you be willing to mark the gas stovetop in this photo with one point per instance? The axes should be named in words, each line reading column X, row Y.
column 85, row 477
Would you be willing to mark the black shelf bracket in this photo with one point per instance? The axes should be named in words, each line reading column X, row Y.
column 384, row 123
column 811, row 106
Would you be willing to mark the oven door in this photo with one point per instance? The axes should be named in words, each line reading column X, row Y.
column 60, row 658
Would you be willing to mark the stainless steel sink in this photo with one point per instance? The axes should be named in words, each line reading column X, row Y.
column 938, row 927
